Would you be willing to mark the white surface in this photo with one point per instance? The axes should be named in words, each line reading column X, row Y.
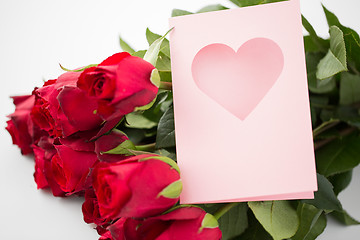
column 37, row 35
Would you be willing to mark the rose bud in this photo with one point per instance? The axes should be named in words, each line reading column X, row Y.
column 21, row 128
column 190, row 223
column 140, row 186
column 71, row 164
column 119, row 84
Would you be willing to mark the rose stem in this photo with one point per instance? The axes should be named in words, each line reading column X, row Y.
column 165, row 85
column 325, row 126
column 342, row 133
column 224, row 209
column 146, row 147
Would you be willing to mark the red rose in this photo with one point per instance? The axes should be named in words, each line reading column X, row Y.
column 119, row 84
column 62, row 109
column 190, row 223
column 21, row 128
column 72, row 162
column 140, row 186
column 90, row 209
column 44, row 150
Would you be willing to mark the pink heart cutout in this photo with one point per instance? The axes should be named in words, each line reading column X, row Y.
column 238, row 81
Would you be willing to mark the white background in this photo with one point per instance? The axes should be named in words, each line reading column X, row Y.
column 37, row 35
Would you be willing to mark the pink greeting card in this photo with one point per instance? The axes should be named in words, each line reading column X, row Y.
column 242, row 116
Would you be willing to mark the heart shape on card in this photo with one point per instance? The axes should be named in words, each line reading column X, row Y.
column 238, row 81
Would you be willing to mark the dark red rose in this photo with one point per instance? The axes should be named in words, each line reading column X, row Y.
column 190, row 223
column 140, row 186
column 119, row 84
column 62, row 109
column 109, row 142
column 71, row 164
column 90, row 209
column 44, row 150
column 21, row 128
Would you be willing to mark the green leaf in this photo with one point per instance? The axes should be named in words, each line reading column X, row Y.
column 255, row 231
column 339, row 156
column 335, row 60
column 162, row 103
column 152, row 37
column 135, row 135
column 349, row 89
column 309, row 28
column 234, row 222
column 315, row 85
column 344, row 218
column 317, row 228
column 318, row 43
column 166, row 130
column 211, row 8
column 341, row 181
column 325, row 197
column 137, row 120
column 309, row 45
column 123, row 149
column 170, row 153
column 173, row 190
column 308, row 215
column 333, row 20
column 277, row 217
column 209, row 221
column 125, row 46
column 140, row 53
column 245, row 3
column 163, row 63
column 156, row 46
column 179, row 12
column 165, row 76
column 352, row 39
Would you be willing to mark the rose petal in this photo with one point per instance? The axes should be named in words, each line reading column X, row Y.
column 79, row 108
column 71, row 168
column 80, row 141
column 108, row 126
column 114, row 59
column 144, row 201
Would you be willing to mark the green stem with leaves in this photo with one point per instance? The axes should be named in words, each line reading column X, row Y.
column 224, row 209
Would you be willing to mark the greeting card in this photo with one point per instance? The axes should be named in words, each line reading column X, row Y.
column 242, row 116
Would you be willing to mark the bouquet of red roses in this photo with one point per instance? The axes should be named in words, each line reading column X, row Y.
column 105, row 132
column 73, row 126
